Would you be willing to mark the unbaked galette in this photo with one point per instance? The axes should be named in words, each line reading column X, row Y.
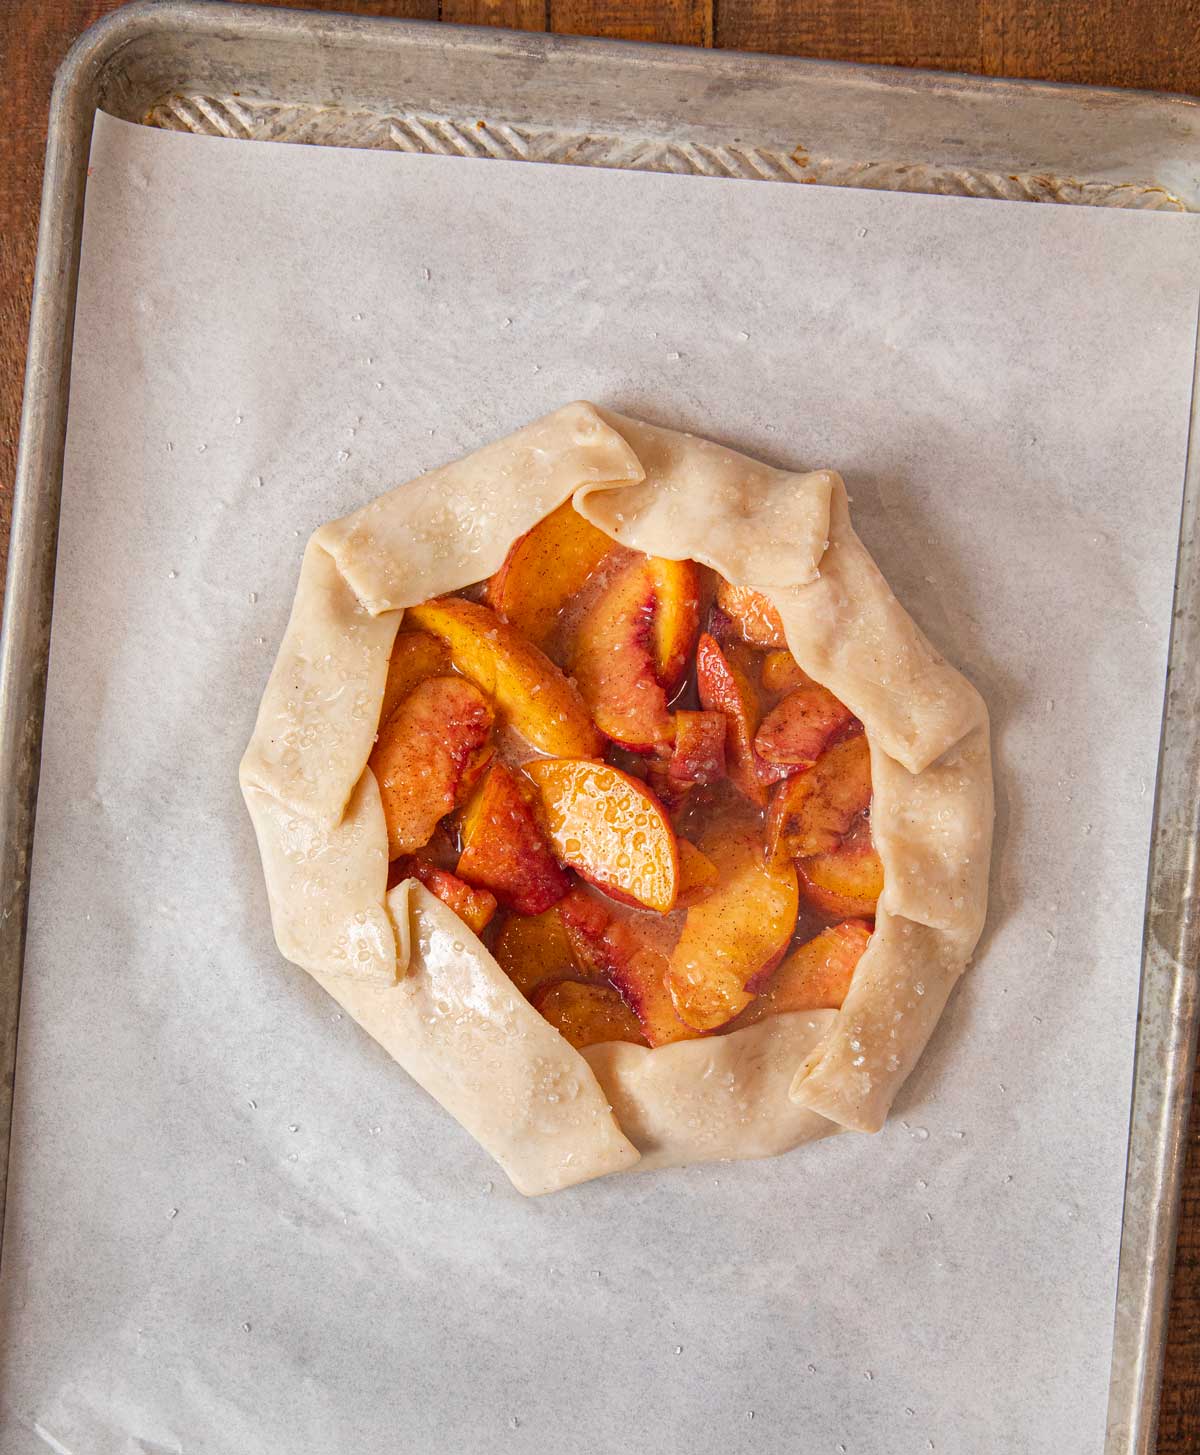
column 602, row 779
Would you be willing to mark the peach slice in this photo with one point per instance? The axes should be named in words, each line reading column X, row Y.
column 504, row 848
column 812, row 812
column 534, row 696
column 427, row 756
column 613, row 949
column 416, row 655
column 588, row 1014
column 815, row 977
column 699, row 755
column 670, row 792
column 724, row 685
column 585, row 922
column 544, row 569
column 631, row 649
column 676, row 618
column 796, row 732
column 736, row 934
column 639, row 972
column 753, row 614
column 782, row 673
column 847, row 882
column 475, row 907
column 610, row 829
column 533, row 950
column 697, row 874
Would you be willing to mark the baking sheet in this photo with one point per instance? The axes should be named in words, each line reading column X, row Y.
column 233, row 1225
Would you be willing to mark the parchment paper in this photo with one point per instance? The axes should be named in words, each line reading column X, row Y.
column 234, row 1225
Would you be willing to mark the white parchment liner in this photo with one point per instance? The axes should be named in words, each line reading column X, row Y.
column 234, row 1223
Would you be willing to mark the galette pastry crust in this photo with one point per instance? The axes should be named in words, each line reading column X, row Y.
column 455, row 1022
column 723, row 1097
column 407, row 969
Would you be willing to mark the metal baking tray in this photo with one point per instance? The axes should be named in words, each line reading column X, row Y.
column 256, row 73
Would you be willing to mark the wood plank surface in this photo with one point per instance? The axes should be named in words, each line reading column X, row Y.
column 1153, row 44
column 680, row 22
column 1146, row 43
column 515, row 14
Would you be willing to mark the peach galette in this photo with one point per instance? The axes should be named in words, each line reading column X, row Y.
column 602, row 779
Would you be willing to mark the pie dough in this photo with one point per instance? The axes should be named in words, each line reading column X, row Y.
column 425, row 987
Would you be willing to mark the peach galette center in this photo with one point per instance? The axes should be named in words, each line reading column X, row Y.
column 612, row 769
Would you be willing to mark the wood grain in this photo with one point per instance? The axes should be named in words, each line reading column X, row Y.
column 1154, row 44
column 681, row 22
column 943, row 34
column 1147, row 43
column 515, row 14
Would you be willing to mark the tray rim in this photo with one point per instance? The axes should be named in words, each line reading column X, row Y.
column 105, row 38
column 1171, row 948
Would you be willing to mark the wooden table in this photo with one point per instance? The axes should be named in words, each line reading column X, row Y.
column 1147, row 43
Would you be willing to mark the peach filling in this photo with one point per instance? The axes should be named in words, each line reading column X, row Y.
column 611, row 767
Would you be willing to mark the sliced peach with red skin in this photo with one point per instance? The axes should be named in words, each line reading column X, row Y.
column 640, row 974
column 725, row 686
column 723, row 627
column 797, row 730
column 613, row 949
column 814, row 977
column 534, row 950
column 504, row 849
column 699, row 755
column 632, row 646
column 588, row 1015
column 812, row 812
column 610, row 829
column 753, row 615
column 475, row 907
column 416, row 655
column 676, row 618
column 427, row 755
column 670, row 792
column 781, row 673
column 697, row 874
column 585, row 922
column 735, row 935
column 544, row 569
column 528, row 689
column 845, row 883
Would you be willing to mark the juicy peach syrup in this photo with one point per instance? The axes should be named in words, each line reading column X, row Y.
column 720, row 902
